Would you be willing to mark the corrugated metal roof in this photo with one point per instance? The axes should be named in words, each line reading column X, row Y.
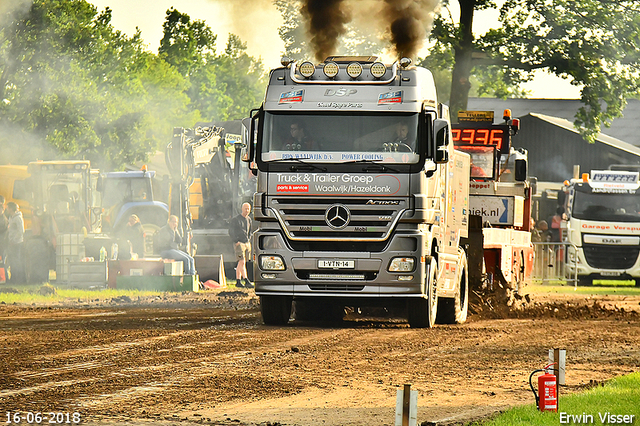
column 555, row 147
column 605, row 139
column 624, row 128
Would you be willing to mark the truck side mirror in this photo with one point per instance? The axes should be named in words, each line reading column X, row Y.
column 441, row 138
column 441, row 132
column 442, row 156
column 254, row 115
column 521, row 170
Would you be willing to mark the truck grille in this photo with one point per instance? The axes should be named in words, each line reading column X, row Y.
column 316, row 275
column 305, row 219
column 336, row 287
column 610, row 256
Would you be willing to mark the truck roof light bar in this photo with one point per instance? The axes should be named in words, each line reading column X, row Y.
column 307, row 70
column 349, row 59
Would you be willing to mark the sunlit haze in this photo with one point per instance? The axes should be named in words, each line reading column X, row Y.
column 257, row 22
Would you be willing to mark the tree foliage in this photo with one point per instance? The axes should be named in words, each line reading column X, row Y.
column 221, row 87
column 71, row 86
column 592, row 43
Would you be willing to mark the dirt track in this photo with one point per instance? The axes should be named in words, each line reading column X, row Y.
column 207, row 358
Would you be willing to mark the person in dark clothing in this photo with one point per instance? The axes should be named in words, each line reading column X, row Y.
column 240, row 231
column 169, row 241
column 4, row 225
column 298, row 140
column 135, row 234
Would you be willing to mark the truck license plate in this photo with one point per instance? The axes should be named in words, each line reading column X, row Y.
column 610, row 273
column 336, row 264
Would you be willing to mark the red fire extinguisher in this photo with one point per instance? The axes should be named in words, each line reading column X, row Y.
column 547, row 397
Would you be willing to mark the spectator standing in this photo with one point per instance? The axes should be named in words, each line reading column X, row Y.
column 15, row 238
column 135, row 234
column 169, row 241
column 4, row 225
column 240, row 231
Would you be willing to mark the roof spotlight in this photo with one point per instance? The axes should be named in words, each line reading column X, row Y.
column 378, row 69
column 286, row 61
column 307, row 69
column 330, row 69
column 405, row 62
column 354, row 69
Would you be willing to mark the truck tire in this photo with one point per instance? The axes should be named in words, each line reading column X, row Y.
column 275, row 310
column 421, row 312
column 454, row 310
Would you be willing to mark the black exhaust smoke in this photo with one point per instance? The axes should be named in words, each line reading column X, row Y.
column 326, row 22
column 409, row 23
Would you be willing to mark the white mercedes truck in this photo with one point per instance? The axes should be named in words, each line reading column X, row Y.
column 603, row 227
column 361, row 199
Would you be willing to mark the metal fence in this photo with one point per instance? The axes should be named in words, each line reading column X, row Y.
column 550, row 263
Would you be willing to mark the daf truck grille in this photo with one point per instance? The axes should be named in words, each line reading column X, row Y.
column 337, row 219
column 603, row 256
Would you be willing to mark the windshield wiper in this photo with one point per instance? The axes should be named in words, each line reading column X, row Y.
column 376, row 167
column 299, row 161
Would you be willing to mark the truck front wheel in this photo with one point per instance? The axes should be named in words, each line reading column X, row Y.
column 454, row 310
column 422, row 311
column 275, row 310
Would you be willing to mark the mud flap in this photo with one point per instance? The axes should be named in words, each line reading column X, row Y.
column 475, row 253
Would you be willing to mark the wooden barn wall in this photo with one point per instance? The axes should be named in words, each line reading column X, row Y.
column 553, row 151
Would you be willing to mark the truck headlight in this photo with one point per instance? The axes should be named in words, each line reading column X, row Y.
column 401, row 264
column 271, row 263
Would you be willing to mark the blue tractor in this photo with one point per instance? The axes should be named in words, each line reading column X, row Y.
column 127, row 193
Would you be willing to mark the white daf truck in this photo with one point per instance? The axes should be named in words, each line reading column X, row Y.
column 603, row 227
column 361, row 198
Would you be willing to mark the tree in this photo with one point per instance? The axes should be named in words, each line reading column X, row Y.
column 186, row 44
column 593, row 43
column 77, row 88
column 220, row 87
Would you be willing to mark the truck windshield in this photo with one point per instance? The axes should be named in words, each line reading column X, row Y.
column 614, row 207
column 341, row 138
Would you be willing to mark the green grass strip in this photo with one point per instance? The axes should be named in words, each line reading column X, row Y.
column 619, row 397
column 30, row 294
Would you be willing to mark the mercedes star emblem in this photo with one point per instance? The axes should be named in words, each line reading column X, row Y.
column 337, row 216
